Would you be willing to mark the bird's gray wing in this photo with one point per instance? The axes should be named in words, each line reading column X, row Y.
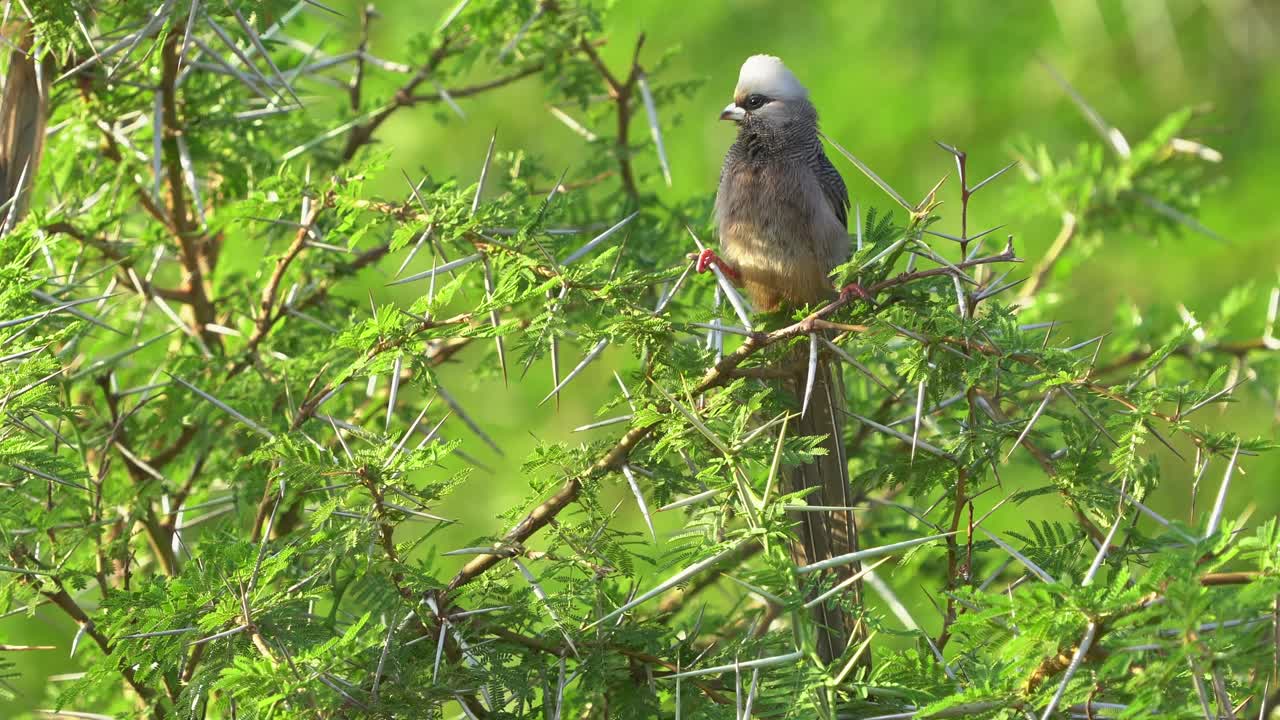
column 832, row 186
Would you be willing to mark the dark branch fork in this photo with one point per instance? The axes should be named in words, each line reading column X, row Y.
column 622, row 92
column 196, row 249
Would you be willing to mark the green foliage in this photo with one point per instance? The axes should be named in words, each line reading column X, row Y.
column 224, row 469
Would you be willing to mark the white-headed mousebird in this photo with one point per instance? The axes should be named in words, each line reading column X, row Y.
column 782, row 211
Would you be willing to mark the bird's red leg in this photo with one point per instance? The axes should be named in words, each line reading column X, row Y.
column 855, row 290
column 708, row 257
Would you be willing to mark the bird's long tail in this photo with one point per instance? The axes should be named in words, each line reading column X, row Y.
column 826, row 533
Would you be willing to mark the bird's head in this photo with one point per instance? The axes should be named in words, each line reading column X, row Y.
column 767, row 91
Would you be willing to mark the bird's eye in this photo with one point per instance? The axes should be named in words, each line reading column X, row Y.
column 755, row 102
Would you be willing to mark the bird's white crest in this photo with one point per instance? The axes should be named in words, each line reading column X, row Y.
column 766, row 75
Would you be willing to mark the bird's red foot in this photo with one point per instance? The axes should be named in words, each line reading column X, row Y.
column 708, row 257
column 855, row 290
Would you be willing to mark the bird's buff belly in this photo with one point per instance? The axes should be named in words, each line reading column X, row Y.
column 776, row 269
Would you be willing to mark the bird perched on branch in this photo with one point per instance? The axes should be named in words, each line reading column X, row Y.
column 782, row 207
column 782, row 211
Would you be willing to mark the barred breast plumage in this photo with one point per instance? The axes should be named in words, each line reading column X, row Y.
column 782, row 209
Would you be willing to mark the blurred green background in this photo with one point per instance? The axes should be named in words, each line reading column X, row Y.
column 889, row 78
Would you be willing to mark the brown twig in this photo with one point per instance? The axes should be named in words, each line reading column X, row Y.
column 193, row 245
column 63, row 601
column 576, row 184
column 1229, row 578
column 124, row 261
column 1045, row 267
column 356, row 85
column 621, row 92
column 159, row 539
column 953, row 555
column 268, row 315
column 362, row 134
column 386, row 538
column 478, row 88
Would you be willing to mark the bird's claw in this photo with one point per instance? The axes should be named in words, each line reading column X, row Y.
column 707, row 258
column 855, row 290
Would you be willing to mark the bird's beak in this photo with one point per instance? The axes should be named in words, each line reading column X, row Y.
column 733, row 112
